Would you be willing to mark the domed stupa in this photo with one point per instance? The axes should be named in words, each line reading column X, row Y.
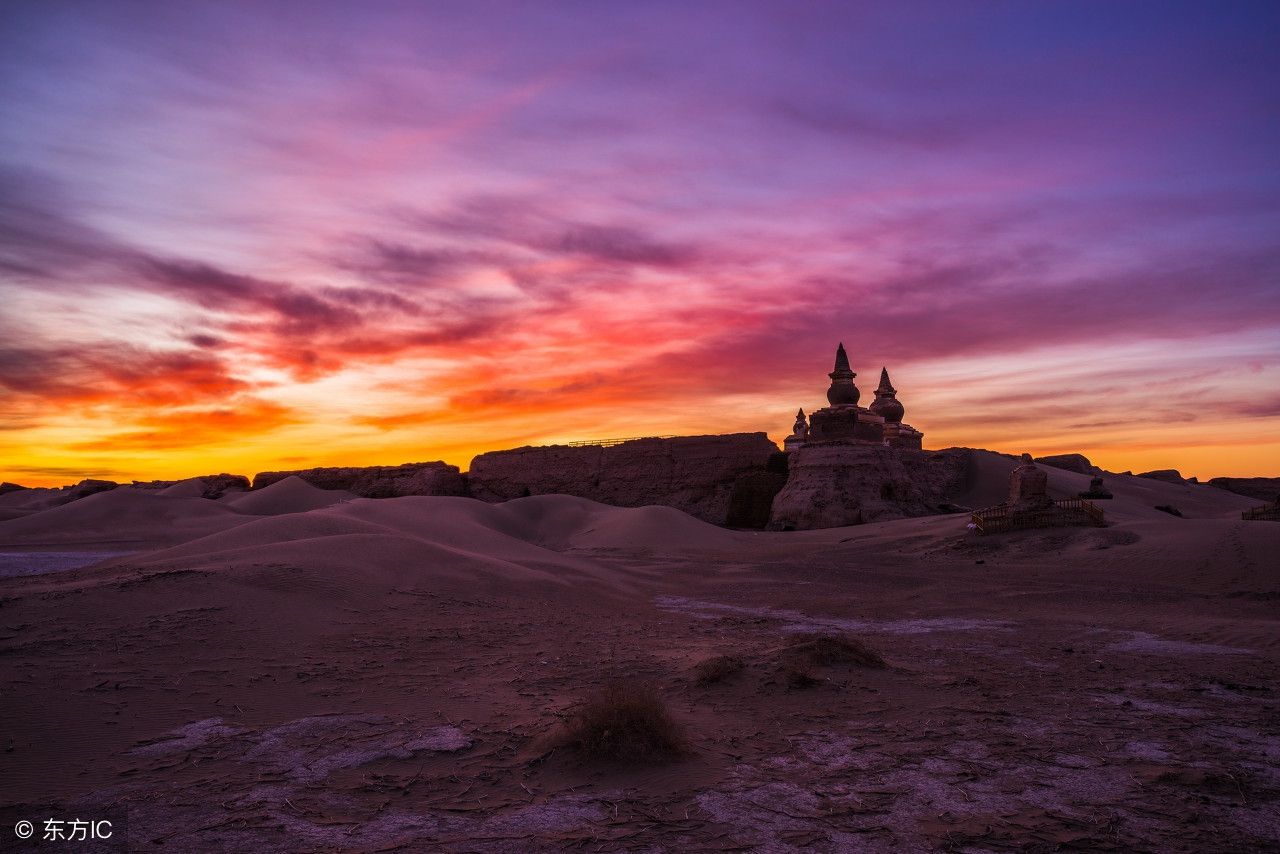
column 886, row 405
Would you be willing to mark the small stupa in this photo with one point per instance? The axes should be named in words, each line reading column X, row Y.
column 799, row 433
column 1097, row 491
column 888, row 407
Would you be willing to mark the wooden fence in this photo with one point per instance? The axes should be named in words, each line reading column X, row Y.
column 1063, row 513
column 1267, row 512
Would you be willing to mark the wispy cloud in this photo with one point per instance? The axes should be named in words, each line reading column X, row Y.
column 383, row 230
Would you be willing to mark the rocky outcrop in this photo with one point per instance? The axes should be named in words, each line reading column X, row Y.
column 438, row 478
column 211, row 486
column 84, row 489
column 831, row 484
column 1164, row 475
column 10, row 487
column 1069, row 462
column 1261, row 488
column 695, row 474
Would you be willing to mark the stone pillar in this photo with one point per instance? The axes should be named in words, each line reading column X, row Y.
column 1028, row 487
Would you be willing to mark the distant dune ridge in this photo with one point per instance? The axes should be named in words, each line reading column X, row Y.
column 295, row 520
column 460, row 543
column 739, row 479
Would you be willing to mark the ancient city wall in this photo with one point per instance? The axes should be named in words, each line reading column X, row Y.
column 695, row 474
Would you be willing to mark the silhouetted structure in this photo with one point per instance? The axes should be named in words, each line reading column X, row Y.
column 843, row 420
column 1096, row 491
column 799, row 433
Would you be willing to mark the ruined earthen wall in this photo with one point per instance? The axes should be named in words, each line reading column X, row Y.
column 695, row 474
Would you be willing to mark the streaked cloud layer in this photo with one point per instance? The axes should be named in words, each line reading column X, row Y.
column 246, row 236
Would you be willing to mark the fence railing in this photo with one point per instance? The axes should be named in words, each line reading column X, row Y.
column 1090, row 509
column 1067, row 511
column 1267, row 512
column 607, row 443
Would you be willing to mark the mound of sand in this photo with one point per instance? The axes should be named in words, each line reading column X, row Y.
column 24, row 502
column 123, row 516
column 445, row 542
column 528, row 528
column 192, row 487
column 291, row 495
column 655, row 529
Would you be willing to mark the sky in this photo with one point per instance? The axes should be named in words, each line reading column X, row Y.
column 242, row 236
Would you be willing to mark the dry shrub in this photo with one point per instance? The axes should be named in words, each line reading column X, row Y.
column 624, row 721
column 824, row 650
column 717, row 669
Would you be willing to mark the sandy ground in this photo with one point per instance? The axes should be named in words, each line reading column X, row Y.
column 300, row 670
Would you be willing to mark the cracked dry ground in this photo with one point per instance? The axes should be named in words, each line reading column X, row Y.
column 1031, row 703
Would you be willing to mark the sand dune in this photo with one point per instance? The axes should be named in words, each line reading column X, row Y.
column 122, row 516
column 527, row 532
column 24, row 502
column 291, row 495
column 444, row 542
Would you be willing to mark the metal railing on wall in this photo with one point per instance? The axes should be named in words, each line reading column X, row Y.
column 606, row 443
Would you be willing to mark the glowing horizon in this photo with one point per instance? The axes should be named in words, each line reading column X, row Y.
column 236, row 238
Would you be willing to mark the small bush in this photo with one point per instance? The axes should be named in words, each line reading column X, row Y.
column 825, row 650
column 717, row 669
column 625, row 722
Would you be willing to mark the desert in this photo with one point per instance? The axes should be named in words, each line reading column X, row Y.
column 293, row 668
column 764, row 426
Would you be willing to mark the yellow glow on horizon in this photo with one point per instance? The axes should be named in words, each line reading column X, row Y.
column 549, row 386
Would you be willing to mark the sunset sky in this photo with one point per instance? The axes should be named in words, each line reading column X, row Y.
column 250, row 236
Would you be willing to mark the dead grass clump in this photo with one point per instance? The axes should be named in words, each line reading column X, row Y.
column 624, row 721
column 717, row 669
column 825, row 650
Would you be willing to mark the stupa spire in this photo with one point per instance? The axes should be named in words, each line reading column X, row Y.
column 842, row 358
column 842, row 392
